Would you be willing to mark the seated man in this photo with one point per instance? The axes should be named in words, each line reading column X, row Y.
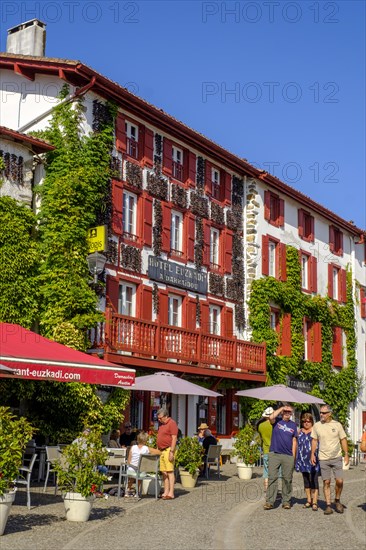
column 128, row 436
column 208, row 440
column 114, row 439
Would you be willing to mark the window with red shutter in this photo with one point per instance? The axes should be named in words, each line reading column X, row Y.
column 148, row 157
column 133, row 139
column 286, row 335
column 337, row 351
column 282, row 262
column 227, row 322
column 335, row 241
column 190, row 316
column 343, row 281
column 337, row 278
column 226, row 179
column 313, row 274
column 305, row 260
column 146, row 302
column 363, row 302
column 190, row 231
column 177, row 163
column 228, row 247
column 205, row 318
column 317, row 343
column 305, row 225
column 117, row 207
column 265, row 260
column 274, row 209
column 192, row 166
column 112, row 293
column 167, row 157
column 163, row 307
column 147, row 221
column 208, row 176
column 206, row 243
column 121, row 133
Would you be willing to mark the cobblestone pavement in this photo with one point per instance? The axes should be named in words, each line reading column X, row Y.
column 225, row 514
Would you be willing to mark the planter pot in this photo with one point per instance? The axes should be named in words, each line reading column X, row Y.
column 77, row 507
column 187, row 480
column 6, row 501
column 148, row 486
column 244, row 471
column 343, row 465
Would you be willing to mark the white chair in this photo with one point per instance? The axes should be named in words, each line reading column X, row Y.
column 148, row 468
column 117, row 462
column 24, row 478
column 52, row 455
column 213, row 459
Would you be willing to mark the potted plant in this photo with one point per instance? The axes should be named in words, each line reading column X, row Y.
column 247, row 449
column 14, row 436
column 80, row 475
column 189, row 459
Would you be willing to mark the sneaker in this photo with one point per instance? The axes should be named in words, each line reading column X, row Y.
column 268, row 506
column 286, row 506
column 339, row 507
column 328, row 510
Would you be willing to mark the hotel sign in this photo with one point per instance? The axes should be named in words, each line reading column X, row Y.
column 177, row 275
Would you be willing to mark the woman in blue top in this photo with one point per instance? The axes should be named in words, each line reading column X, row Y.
column 309, row 472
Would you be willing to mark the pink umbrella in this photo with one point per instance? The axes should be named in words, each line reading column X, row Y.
column 280, row 392
column 168, row 383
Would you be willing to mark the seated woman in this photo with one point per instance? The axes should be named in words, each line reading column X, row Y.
column 114, row 439
column 134, row 456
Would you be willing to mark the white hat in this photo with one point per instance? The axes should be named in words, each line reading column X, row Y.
column 268, row 412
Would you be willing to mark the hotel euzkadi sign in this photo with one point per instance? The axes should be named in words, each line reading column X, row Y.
column 177, row 275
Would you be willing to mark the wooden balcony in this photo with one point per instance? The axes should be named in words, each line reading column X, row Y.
column 136, row 342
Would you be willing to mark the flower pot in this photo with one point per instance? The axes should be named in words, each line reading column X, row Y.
column 187, row 480
column 6, row 500
column 77, row 507
column 148, row 486
column 245, row 471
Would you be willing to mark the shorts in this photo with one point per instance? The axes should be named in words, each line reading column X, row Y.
column 335, row 464
column 165, row 464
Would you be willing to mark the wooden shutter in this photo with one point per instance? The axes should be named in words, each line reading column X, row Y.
column 226, row 183
column 146, row 302
column 340, row 249
column 282, row 262
column 286, row 334
column 121, row 133
column 163, row 307
column 191, row 309
column 208, row 183
column 343, row 293
column 206, row 243
column 192, row 162
column 267, row 205
column 337, row 356
column 117, row 207
column 317, row 342
column 147, row 221
column 300, row 222
column 313, row 274
column 331, row 238
column 148, row 157
column 228, row 250
column 362, row 303
column 281, row 219
column 190, row 226
column 112, row 293
column 312, row 234
column 227, row 322
column 265, row 255
column 141, row 142
column 167, row 156
column 167, row 220
column 330, row 280
column 205, row 317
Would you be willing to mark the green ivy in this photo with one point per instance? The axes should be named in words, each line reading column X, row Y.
column 341, row 387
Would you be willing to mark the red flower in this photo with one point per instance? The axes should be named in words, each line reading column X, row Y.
column 93, row 489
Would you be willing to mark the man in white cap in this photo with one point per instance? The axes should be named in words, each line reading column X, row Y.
column 264, row 428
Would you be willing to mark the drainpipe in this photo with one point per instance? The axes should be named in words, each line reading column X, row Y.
column 68, row 99
column 245, row 256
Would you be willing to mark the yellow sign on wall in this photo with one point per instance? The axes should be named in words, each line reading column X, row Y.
column 97, row 239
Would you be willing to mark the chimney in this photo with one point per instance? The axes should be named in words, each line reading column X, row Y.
column 28, row 38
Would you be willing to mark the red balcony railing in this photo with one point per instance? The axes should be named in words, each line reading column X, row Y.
column 153, row 340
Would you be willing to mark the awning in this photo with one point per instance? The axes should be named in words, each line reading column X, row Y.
column 34, row 357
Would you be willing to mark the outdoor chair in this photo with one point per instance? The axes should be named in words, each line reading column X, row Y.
column 213, row 459
column 148, row 468
column 117, row 463
column 52, row 456
column 24, row 478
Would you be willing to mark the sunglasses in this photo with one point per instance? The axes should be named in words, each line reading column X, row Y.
column 306, row 422
column 287, row 412
column 326, row 412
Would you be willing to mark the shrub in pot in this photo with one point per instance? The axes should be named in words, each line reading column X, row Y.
column 189, row 457
column 14, row 436
column 247, row 449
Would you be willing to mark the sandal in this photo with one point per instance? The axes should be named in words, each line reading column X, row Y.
column 307, row 505
column 315, row 507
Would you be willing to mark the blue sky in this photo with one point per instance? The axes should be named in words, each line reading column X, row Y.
column 281, row 84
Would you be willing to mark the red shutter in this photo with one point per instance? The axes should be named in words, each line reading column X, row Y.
column 228, row 250
column 141, row 142
column 226, row 183
column 205, row 319
column 282, row 263
column 206, row 243
column 340, row 250
column 191, row 309
column 147, row 221
column 163, row 307
column 331, row 238
column 148, row 157
column 121, row 133
column 192, row 161
column 281, row 219
column 112, row 293
column 265, row 258
column 300, row 222
column 167, row 156
column 330, row 280
column 146, row 302
column 317, row 342
column 343, row 286
column 208, row 186
column 267, row 205
column 362, row 303
column 117, row 207
column 313, row 274
column 190, row 236
column 227, row 322
column 286, row 334
column 167, row 220
column 337, row 356
column 312, row 234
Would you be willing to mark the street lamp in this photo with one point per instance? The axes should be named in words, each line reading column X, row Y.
column 96, row 263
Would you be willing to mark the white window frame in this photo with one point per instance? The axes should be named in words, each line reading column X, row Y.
column 272, row 245
column 214, row 246
column 132, row 129
column 175, row 310
column 176, row 231
column 215, row 179
column 335, row 278
column 215, row 318
column 305, row 271
column 128, row 216
column 127, row 299
column 177, row 155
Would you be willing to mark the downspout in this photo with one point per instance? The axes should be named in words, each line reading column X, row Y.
column 245, row 244
column 69, row 99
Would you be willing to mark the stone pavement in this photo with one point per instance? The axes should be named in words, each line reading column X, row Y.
column 224, row 514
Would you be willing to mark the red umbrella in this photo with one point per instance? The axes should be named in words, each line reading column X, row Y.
column 279, row 392
column 34, row 357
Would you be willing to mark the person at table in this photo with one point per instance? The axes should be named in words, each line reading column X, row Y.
column 140, row 448
column 201, row 432
column 310, row 472
column 113, row 442
column 128, row 436
column 208, row 440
